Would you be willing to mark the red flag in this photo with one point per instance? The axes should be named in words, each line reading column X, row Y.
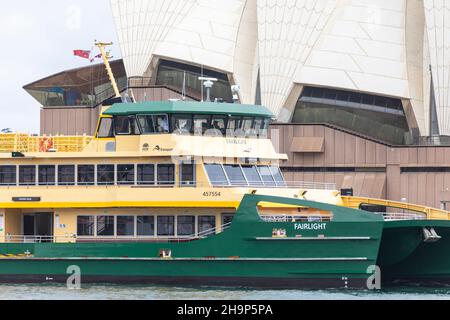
column 82, row 53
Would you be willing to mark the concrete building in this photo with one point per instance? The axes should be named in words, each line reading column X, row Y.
column 360, row 87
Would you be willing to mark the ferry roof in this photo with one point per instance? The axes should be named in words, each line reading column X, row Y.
column 183, row 107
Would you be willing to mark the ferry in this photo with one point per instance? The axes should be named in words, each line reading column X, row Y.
column 191, row 193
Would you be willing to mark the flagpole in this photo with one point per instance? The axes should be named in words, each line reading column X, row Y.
column 105, row 58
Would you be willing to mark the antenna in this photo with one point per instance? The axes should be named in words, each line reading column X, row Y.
column 183, row 91
column 208, row 83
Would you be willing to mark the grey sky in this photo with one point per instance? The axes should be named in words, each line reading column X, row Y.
column 37, row 39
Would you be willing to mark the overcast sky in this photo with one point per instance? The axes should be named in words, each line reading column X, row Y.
column 37, row 39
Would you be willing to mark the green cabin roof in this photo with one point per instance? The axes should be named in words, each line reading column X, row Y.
column 188, row 107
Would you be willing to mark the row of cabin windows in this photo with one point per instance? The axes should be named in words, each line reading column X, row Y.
column 122, row 174
column 147, row 226
column 243, row 175
column 184, row 124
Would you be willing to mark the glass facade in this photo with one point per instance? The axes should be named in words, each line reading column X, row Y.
column 378, row 117
column 174, row 74
column 88, row 86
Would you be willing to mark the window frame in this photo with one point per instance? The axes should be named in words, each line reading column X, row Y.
column 13, row 175
column 45, row 166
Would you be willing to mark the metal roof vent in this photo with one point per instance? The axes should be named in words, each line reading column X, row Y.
column 208, row 83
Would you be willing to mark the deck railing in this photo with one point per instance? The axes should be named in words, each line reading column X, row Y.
column 399, row 216
column 287, row 218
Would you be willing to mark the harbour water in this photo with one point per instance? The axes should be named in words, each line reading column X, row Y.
column 111, row 292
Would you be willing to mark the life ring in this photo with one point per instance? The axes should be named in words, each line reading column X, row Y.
column 45, row 144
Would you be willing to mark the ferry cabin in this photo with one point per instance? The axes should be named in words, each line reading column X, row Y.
column 154, row 172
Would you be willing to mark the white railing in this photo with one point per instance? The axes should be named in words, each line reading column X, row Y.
column 188, row 184
column 295, row 218
column 28, row 239
column 402, row 216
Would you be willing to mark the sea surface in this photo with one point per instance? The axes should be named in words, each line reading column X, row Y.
column 113, row 292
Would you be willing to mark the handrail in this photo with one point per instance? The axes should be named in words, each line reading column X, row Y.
column 183, row 184
column 401, row 216
column 290, row 218
column 431, row 213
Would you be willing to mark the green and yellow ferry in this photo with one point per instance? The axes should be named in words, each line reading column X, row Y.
column 189, row 193
column 192, row 193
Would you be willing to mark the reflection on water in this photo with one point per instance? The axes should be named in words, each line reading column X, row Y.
column 110, row 292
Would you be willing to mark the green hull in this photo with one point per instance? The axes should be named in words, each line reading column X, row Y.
column 333, row 254
column 406, row 257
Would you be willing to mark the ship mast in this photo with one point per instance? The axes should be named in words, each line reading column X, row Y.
column 106, row 57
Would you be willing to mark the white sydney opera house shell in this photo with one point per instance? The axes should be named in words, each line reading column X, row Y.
column 392, row 48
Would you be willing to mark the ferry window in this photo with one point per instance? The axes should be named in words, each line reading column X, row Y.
column 216, row 175
column 187, row 175
column 166, row 174
column 66, row 175
column 85, row 226
column 252, row 175
column 182, row 124
column 235, row 174
column 166, row 226
column 105, row 174
column 258, row 127
column 146, row 123
column 219, row 123
column 47, row 175
column 8, row 175
column 27, row 175
column 105, row 226
column 125, row 226
column 234, row 123
column 265, row 128
column 122, row 125
column 146, row 174
column 105, row 130
column 206, row 225
column 201, row 124
column 161, row 123
column 227, row 218
column 247, row 124
column 185, row 225
column 266, row 176
column 146, row 226
column 86, row 175
column 125, row 174
column 278, row 176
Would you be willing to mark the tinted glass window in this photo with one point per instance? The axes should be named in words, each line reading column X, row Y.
column 185, row 226
column 105, row 174
column 166, row 174
column 85, row 226
column 161, row 123
column 247, row 124
column 66, row 175
column 122, row 125
column 146, row 123
column 227, row 218
column 182, row 124
column 8, row 175
column 235, row 174
column 27, row 175
column 166, row 226
column 105, row 226
column 206, row 225
column 219, row 123
column 266, row 176
column 188, row 175
column 125, row 226
column 146, row 226
column 252, row 175
column 216, row 175
column 234, row 126
column 201, row 124
column 105, row 129
column 146, row 174
column 125, row 174
column 86, row 175
column 47, row 175
column 278, row 176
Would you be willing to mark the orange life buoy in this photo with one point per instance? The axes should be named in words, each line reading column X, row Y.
column 45, row 144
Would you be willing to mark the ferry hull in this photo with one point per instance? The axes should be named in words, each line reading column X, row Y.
column 334, row 254
column 405, row 257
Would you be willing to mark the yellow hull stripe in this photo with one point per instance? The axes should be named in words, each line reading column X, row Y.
column 119, row 204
